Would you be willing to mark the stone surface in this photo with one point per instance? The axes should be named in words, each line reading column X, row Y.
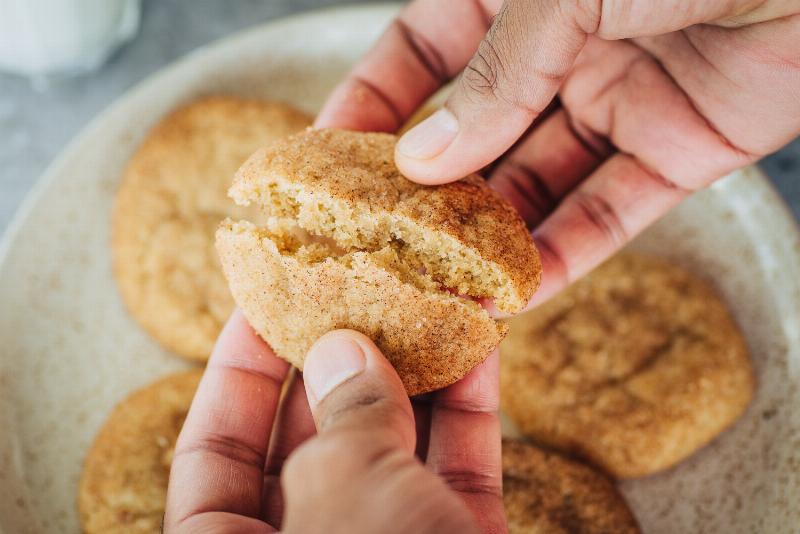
column 38, row 120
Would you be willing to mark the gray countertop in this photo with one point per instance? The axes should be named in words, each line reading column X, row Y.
column 36, row 123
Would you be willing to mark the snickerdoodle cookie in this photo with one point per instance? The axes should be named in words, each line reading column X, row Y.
column 546, row 493
column 123, row 487
column 633, row 368
column 170, row 201
column 351, row 243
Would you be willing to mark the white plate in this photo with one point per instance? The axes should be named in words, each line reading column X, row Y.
column 69, row 351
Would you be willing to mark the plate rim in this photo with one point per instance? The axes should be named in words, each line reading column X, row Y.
column 757, row 180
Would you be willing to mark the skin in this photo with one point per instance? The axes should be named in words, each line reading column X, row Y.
column 361, row 458
column 654, row 100
column 594, row 118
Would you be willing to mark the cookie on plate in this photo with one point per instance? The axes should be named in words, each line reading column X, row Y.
column 633, row 368
column 171, row 199
column 123, row 487
column 351, row 243
column 544, row 492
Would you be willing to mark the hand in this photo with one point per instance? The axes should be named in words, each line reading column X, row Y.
column 656, row 99
column 359, row 473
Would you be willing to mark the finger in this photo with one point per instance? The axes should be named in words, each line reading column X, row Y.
column 293, row 426
column 734, row 92
column 547, row 164
column 417, row 54
column 612, row 91
column 351, row 386
column 465, row 447
column 613, row 205
column 219, row 456
column 622, row 19
column 361, row 464
column 508, row 82
column 517, row 70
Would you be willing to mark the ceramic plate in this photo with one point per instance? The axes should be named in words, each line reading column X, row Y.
column 69, row 351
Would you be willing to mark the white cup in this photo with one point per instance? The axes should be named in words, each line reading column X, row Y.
column 43, row 37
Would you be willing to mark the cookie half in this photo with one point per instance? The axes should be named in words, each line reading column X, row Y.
column 633, row 368
column 123, row 486
column 171, row 199
column 351, row 243
column 546, row 493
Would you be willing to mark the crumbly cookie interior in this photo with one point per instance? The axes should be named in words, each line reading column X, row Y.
column 306, row 248
column 435, row 257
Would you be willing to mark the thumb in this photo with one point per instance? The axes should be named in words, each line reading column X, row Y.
column 359, row 473
column 520, row 64
column 512, row 77
column 352, row 387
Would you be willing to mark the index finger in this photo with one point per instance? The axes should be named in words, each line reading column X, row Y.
column 465, row 446
column 417, row 54
column 218, row 466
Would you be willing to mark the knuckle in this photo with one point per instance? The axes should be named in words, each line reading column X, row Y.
column 602, row 215
column 372, row 425
column 365, row 411
column 556, row 262
column 484, row 70
column 587, row 14
column 331, row 454
column 338, row 443
column 353, row 407
column 487, row 68
column 425, row 51
column 532, row 195
column 472, row 481
column 498, row 70
column 230, row 449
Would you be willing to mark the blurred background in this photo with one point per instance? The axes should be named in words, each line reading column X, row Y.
column 119, row 44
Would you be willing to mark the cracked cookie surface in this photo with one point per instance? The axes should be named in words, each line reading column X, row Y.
column 123, row 487
column 344, row 185
column 547, row 493
column 352, row 243
column 171, row 199
column 634, row 367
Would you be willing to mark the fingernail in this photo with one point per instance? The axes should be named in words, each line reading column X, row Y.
column 430, row 137
column 334, row 359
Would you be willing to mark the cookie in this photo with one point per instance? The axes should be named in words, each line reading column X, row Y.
column 172, row 197
column 547, row 493
column 123, row 486
column 351, row 243
column 633, row 368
